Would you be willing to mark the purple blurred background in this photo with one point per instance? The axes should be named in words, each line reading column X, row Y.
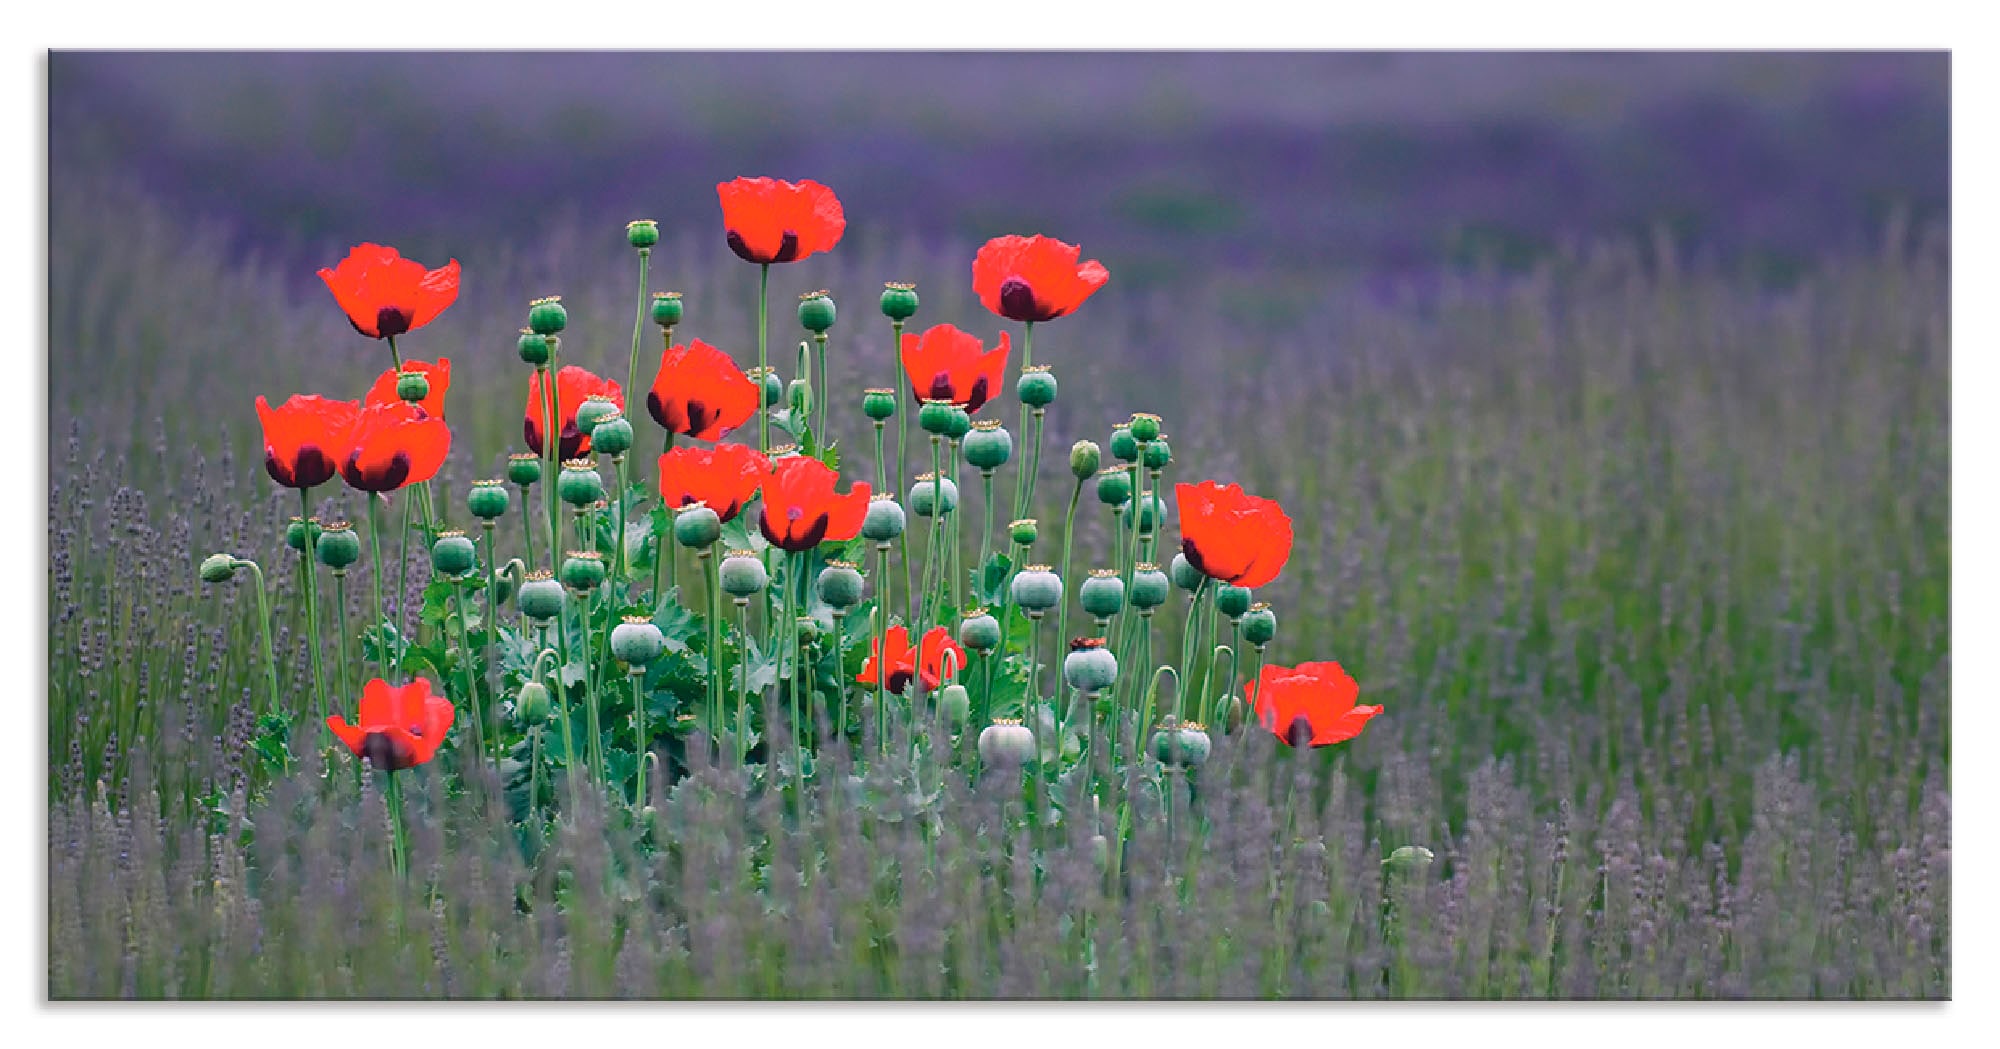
column 1169, row 167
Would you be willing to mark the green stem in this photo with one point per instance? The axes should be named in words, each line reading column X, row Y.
column 399, row 843
column 472, row 704
column 375, row 574
column 1187, row 646
column 1024, row 484
column 1069, row 533
column 665, row 550
column 562, row 708
column 763, row 355
column 618, row 554
column 264, row 622
column 792, row 572
column 986, row 522
column 902, row 385
column 528, row 528
column 403, row 577
column 492, row 623
column 957, row 571
column 824, row 391
column 638, row 326
column 713, row 572
column 309, row 569
column 743, row 681
column 551, row 453
column 340, row 606
column 881, row 646
column 639, row 741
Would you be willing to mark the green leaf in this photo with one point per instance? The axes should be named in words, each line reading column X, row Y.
column 989, row 582
column 272, row 742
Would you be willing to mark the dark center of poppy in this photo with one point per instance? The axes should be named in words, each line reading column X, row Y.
column 391, row 320
column 1017, row 300
column 1300, row 732
column 387, row 753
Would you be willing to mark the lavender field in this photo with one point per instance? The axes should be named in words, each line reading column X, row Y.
column 1615, row 434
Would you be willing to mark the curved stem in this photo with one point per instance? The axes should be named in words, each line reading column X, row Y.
column 264, row 622
column 562, row 708
column 824, row 391
column 1187, row 646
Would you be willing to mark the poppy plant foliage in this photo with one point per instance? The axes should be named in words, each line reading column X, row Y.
column 701, row 393
column 768, row 220
column 574, row 385
column 1230, row 535
column 801, row 509
column 385, row 294
column 946, row 364
column 1034, row 278
column 1312, row 704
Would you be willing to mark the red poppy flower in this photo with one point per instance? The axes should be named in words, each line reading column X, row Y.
column 722, row 478
column 439, row 374
column 945, row 364
column 1231, row 535
column 305, row 438
column 801, row 509
column 701, row 393
column 398, row 728
column 1034, row 278
column 770, row 220
column 394, row 445
column 903, row 660
column 574, row 386
column 1310, row 703
column 386, row 294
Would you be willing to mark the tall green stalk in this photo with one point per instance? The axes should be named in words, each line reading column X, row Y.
column 763, row 355
column 492, row 623
column 309, row 570
column 264, row 624
column 375, row 574
column 1024, row 484
column 638, row 327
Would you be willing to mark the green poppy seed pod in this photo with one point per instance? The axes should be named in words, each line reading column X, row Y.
column 767, row 380
column 1409, row 859
column 899, row 301
column 1124, row 446
column 667, row 308
column 839, row 585
column 1232, row 601
column 961, row 424
column 1184, row 574
column 1090, row 667
column 1149, row 586
column 1037, row 388
column 217, row 568
column 531, row 703
column 1114, row 486
column 1103, row 594
column 1185, row 744
column 595, row 409
column 583, row 570
column 1084, row 457
column 1006, row 744
column 453, row 554
column 612, row 436
column 533, row 347
column 1024, row 532
column 579, row 484
column 980, row 632
column 524, row 469
column 1145, row 426
column 297, row 530
column 1147, row 514
column 488, row 499
column 541, row 597
column 635, row 641
column 989, row 445
column 1037, row 589
column 885, row 519
column 878, row 404
column 954, row 704
column 799, row 396
column 1157, row 455
column 338, row 546
column 935, row 417
column 413, row 386
column 816, row 311
column 642, row 233
column 743, row 574
column 928, row 491
column 697, row 527
column 1260, row 624
column 547, row 316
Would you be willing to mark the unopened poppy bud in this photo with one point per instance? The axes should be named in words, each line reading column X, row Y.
column 1232, row 601
column 899, row 301
column 767, row 381
column 541, row 597
column 1185, row 574
column 1090, row 667
column 547, row 316
column 1023, row 532
column 988, row 446
column 524, row 469
column 413, row 386
column 697, row 527
column 930, row 490
column 338, row 546
column 743, row 574
column 840, row 585
column 1260, row 624
column 667, row 308
column 1114, row 486
column 1124, row 446
column 1409, row 858
column 1103, row 594
column 583, row 570
column 298, row 529
column 1149, row 586
column 1157, row 455
column 1147, row 514
column 1037, row 388
column 885, row 519
column 533, row 347
column 935, row 417
column 595, row 409
column 1185, row 744
column 954, row 704
column 1006, row 744
column 980, row 632
column 453, row 554
column 816, row 311
column 531, row 702
column 1084, row 457
column 1037, row 589
column 635, row 641
column 1145, row 426
column 217, row 568
column 612, row 436
column 642, row 233
column 488, row 499
column 578, row 484
column 799, row 395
